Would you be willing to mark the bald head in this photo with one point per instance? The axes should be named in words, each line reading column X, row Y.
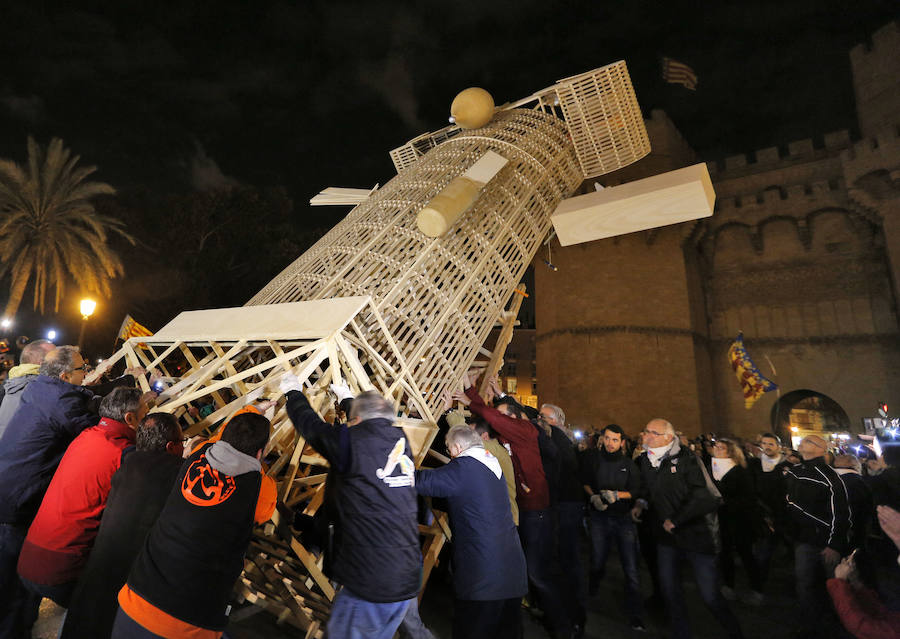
column 812, row 446
column 658, row 432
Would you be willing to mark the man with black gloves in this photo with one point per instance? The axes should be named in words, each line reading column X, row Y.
column 682, row 502
column 371, row 484
column 612, row 481
column 818, row 523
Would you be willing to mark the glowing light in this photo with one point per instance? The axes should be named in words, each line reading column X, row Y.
column 794, row 429
column 6, row 322
column 578, row 434
column 51, row 335
column 87, row 307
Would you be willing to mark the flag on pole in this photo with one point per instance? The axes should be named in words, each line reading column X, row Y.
column 752, row 381
column 130, row 329
column 675, row 72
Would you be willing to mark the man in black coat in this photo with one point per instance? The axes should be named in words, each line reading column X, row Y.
column 682, row 503
column 818, row 523
column 377, row 557
column 767, row 472
column 568, row 503
column 139, row 491
column 613, row 482
column 859, row 495
column 489, row 575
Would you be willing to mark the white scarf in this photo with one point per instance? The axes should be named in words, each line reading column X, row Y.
column 769, row 463
column 845, row 471
column 721, row 466
column 480, row 454
column 655, row 455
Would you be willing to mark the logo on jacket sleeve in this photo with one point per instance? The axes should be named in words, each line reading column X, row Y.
column 398, row 457
column 203, row 485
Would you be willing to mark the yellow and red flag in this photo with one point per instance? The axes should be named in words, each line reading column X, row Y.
column 131, row 328
column 753, row 384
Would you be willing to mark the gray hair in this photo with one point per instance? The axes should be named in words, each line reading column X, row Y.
column 558, row 414
column 371, row 405
column 156, row 431
column 464, row 437
column 120, row 401
column 848, row 461
column 35, row 352
column 58, row 361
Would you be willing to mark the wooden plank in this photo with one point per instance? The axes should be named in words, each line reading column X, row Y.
column 660, row 200
column 505, row 337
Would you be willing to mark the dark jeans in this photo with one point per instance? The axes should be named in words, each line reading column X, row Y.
column 706, row 574
column 607, row 529
column 739, row 542
column 569, row 515
column 536, row 534
column 818, row 618
column 496, row 619
column 764, row 550
column 18, row 606
column 61, row 594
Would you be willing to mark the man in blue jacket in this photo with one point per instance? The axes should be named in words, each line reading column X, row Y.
column 54, row 409
column 377, row 557
column 489, row 576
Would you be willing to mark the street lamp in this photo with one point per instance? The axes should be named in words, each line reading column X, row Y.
column 87, row 309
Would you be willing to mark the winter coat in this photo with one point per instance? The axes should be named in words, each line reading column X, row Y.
column 680, row 490
column 138, row 492
column 51, row 414
column 818, row 510
column 862, row 613
column 488, row 562
column 569, row 487
column 373, row 498
column 770, row 488
column 12, row 396
column 62, row 534
column 862, row 507
column 739, row 515
column 532, row 492
column 612, row 471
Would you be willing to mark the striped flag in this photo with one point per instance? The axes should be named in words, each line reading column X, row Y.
column 675, row 72
column 130, row 329
column 753, row 384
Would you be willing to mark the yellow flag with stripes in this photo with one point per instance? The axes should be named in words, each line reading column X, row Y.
column 130, row 328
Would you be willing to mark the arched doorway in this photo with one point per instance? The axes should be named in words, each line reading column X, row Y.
column 807, row 410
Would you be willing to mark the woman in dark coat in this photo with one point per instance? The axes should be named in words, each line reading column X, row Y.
column 739, row 516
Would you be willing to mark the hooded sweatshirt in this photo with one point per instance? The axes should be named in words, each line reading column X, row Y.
column 19, row 378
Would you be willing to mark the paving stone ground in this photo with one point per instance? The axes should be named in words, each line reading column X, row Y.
column 606, row 616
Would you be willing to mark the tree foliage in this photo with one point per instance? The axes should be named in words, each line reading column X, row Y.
column 50, row 232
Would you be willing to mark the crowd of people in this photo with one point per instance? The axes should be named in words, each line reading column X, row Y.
column 106, row 509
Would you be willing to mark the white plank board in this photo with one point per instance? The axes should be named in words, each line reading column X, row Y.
column 660, row 200
column 294, row 320
column 487, row 166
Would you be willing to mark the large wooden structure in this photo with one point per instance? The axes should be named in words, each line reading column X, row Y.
column 379, row 304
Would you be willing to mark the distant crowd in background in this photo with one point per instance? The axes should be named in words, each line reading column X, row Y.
column 107, row 509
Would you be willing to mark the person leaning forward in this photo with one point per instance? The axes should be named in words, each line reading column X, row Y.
column 181, row 582
column 489, row 576
column 377, row 558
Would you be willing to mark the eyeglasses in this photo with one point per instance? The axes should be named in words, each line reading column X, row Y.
column 83, row 367
column 654, row 433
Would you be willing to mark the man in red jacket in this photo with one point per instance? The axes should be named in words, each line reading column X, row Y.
column 532, row 496
column 62, row 534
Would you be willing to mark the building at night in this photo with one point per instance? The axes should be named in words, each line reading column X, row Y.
column 802, row 255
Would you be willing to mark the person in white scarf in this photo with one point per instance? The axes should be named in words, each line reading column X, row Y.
column 739, row 517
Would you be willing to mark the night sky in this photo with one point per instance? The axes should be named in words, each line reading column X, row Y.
column 170, row 97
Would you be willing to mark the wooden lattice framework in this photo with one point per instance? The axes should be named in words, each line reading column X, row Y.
column 380, row 305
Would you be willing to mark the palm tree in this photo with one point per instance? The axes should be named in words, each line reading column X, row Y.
column 49, row 230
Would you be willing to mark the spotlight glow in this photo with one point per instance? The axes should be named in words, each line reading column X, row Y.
column 51, row 335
